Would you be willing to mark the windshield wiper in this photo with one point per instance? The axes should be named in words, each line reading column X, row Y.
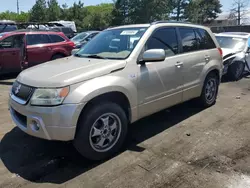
column 95, row 56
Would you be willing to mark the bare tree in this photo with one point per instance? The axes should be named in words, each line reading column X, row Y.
column 240, row 10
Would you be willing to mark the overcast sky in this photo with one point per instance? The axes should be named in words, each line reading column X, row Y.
column 25, row 5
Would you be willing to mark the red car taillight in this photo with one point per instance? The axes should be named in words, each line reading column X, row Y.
column 72, row 44
column 220, row 51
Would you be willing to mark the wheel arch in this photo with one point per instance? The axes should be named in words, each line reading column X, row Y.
column 116, row 97
column 58, row 53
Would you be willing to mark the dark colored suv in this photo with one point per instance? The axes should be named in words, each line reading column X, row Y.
column 22, row 49
column 66, row 30
column 7, row 26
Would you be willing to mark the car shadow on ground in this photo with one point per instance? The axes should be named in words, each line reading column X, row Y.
column 42, row 161
column 226, row 79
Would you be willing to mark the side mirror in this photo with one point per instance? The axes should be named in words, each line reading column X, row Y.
column 153, row 55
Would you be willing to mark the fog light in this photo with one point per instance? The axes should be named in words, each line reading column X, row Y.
column 35, row 126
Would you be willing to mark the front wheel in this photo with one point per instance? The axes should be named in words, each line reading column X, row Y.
column 101, row 131
column 210, row 90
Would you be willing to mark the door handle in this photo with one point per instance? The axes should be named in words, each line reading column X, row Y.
column 179, row 64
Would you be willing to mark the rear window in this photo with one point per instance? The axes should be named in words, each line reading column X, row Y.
column 66, row 30
column 34, row 39
column 9, row 28
column 189, row 41
column 56, row 38
column 206, row 40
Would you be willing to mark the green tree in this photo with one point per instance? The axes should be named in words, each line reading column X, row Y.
column 64, row 12
column 145, row 11
column 120, row 12
column 99, row 16
column 203, row 11
column 38, row 11
column 179, row 7
column 77, row 13
column 53, row 11
column 22, row 17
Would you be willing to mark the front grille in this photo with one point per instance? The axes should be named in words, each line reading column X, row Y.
column 21, row 91
column 19, row 117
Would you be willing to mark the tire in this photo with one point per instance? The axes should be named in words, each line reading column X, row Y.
column 210, row 90
column 93, row 140
column 235, row 71
column 57, row 56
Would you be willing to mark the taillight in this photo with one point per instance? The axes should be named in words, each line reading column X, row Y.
column 72, row 44
column 220, row 51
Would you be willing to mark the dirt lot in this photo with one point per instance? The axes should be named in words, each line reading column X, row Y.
column 184, row 146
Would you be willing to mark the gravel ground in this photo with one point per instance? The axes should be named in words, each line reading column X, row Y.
column 184, row 146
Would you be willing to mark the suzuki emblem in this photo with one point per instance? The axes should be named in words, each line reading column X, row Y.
column 18, row 89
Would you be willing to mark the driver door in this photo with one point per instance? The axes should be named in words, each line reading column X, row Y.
column 160, row 84
column 11, row 54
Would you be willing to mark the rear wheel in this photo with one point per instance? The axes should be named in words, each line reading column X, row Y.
column 210, row 90
column 57, row 56
column 101, row 131
column 236, row 70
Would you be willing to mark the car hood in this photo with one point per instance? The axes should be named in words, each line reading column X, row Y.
column 67, row 71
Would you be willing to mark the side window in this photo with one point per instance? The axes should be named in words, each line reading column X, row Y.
column 189, row 42
column 7, row 42
column 34, row 39
column 164, row 39
column 206, row 40
column 199, row 41
column 56, row 38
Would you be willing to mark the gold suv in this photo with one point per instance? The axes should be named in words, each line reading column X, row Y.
column 122, row 75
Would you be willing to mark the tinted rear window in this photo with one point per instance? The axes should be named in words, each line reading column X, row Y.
column 66, row 30
column 189, row 42
column 206, row 40
column 34, row 39
column 9, row 28
column 56, row 38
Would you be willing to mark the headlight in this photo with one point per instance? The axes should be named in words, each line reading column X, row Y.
column 49, row 97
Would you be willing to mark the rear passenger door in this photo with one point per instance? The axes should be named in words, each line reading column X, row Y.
column 196, row 53
column 38, row 50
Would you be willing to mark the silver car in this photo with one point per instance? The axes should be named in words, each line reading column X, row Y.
column 122, row 75
column 236, row 53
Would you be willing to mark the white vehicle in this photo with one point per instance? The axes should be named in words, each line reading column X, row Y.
column 236, row 53
column 70, row 24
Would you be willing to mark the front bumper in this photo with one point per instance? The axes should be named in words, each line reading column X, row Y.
column 50, row 123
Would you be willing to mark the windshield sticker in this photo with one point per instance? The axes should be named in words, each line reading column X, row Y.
column 129, row 32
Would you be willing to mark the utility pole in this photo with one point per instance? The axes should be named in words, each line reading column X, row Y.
column 17, row 5
column 239, row 13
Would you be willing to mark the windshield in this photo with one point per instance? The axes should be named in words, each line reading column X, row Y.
column 113, row 44
column 235, row 43
column 79, row 37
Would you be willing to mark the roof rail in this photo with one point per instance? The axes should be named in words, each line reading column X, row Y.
column 169, row 21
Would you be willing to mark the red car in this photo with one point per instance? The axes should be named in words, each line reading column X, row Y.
column 23, row 49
